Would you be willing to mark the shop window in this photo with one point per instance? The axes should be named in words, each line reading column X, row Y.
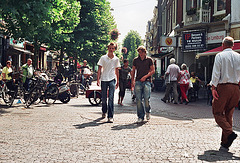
column 219, row 7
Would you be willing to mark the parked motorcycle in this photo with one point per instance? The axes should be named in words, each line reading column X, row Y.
column 64, row 93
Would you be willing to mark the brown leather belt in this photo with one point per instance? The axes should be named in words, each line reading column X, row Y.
column 228, row 84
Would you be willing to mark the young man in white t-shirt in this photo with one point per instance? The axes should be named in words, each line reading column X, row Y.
column 108, row 66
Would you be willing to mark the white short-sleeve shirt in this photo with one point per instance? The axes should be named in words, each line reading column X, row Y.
column 108, row 67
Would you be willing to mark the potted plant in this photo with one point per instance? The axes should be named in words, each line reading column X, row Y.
column 114, row 34
column 124, row 50
column 206, row 2
column 191, row 11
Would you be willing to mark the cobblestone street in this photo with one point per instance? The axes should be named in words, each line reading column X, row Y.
column 75, row 132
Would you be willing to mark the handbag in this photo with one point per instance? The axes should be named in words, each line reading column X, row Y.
column 190, row 84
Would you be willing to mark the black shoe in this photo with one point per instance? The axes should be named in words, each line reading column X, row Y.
column 223, row 147
column 175, row 103
column 186, row 102
column 163, row 100
column 231, row 138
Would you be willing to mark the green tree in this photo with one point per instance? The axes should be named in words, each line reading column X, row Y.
column 91, row 34
column 131, row 42
column 63, row 24
column 37, row 20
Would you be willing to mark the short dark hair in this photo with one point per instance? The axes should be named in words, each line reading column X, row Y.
column 125, row 60
column 8, row 62
column 112, row 44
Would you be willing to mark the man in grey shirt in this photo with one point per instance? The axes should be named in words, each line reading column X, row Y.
column 173, row 71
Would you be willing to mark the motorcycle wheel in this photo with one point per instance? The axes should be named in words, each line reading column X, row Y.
column 65, row 99
column 51, row 94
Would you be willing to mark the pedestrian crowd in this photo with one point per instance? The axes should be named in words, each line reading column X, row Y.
column 111, row 75
column 225, row 85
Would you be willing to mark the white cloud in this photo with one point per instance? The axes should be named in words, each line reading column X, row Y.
column 132, row 15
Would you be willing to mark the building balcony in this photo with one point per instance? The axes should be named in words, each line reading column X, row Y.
column 200, row 16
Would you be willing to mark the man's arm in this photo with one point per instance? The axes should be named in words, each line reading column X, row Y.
column 117, row 75
column 150, row 73
column 4, row 73
column 133, row 77
column 215, row 77
column 98, row 75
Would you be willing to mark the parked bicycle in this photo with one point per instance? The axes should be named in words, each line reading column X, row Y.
column 44, row 90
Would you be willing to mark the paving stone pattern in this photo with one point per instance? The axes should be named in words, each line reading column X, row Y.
column 74, row 132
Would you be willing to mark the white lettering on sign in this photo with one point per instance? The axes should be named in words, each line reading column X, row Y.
column 216, row 37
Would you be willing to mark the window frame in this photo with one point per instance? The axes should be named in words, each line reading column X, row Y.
column 216, row 12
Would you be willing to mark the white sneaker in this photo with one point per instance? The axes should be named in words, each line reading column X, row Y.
column 140, row 120
column 110, row 120
column 148, row 116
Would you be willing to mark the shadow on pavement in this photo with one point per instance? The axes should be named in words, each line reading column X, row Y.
column 3, row 111
column 82, row 106
column 128, row 126
column 94, row 123
column 214, row 155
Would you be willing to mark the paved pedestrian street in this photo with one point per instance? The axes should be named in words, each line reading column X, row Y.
column 75, row 132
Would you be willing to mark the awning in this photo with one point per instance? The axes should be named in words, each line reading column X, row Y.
column 21, row 50
column 214, row 51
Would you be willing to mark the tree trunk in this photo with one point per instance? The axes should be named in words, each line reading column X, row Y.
column 36, row 53
column 61, row 68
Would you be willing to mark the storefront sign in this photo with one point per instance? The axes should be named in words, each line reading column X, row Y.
column 193, row 40
column 168, row 41
column 216, row 37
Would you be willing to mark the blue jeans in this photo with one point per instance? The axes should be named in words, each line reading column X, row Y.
column 142, row 92
column 105, row 85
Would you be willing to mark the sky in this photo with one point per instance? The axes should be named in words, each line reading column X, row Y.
column 132, row 15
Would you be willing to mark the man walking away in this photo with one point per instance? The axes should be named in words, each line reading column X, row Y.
column 225, row 90
column 145, row 69
column 173, row 71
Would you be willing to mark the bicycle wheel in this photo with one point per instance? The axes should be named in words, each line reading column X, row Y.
column 81, row 89
column 74, row 90
column 51, row 94
column 34, row 96
column 8, row 96
column 95, row 98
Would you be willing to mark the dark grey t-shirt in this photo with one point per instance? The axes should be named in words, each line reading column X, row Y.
column 142, row 67
column 123, row 73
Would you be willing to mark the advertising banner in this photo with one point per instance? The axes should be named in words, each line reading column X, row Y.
column 193, row 40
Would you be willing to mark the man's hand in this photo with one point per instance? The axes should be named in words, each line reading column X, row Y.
column 132, row 85
column 143, row 79
column 215, row 94
column 117, row 85
column 98, row 83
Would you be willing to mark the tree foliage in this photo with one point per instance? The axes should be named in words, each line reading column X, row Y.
column 131, row 42
column 38, row 21
column 91, row 34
